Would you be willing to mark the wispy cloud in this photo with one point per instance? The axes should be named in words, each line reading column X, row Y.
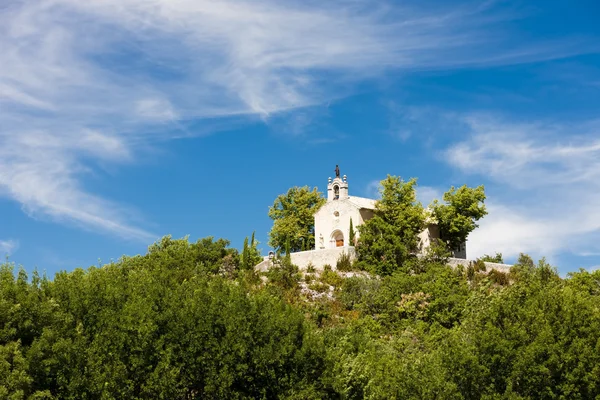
column 426, row 194
column 8, row 247
column 372, row 189
column 545, row 185
column 84, row 82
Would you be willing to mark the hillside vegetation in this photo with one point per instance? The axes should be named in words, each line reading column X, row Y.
column 194, row 320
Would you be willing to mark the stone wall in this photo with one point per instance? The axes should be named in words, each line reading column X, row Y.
column 318, row 258
column 454, row 262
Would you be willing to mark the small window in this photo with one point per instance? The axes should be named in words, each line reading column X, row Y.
column 336, row 214
column 336, row 192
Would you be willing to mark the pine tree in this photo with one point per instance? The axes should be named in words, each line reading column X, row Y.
column 352, row 234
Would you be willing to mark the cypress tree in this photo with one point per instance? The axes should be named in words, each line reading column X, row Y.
column 246, row 254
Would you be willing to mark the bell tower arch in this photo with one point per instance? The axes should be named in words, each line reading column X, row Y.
column 337, row 188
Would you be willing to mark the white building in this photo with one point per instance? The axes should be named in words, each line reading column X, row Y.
column 332, row 221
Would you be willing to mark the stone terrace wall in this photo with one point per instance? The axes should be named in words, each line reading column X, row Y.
column 319, row 258
column 453, row 262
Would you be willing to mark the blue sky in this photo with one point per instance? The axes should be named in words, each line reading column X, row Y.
column 125, row 120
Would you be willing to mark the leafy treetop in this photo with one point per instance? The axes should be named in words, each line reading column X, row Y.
column 391, row 237
column 457, row 217
column 293, row 219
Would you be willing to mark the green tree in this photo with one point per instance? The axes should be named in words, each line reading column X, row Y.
column 250, row 254
column 293, row 218
column 391, row 237
column 458, row 215
column 536, row 338
column 497, row 258
column 14, row 380
column 245, row 254
column 352, row 234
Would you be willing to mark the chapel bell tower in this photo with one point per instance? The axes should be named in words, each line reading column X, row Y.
column 337, row 189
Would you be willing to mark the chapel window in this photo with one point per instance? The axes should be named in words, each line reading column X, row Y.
column 336, row 192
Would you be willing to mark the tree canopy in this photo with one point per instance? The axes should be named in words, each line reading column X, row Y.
column 390, row 238
column 193, row 320
column 188, row 321
column 457, row 216
column 293, row 219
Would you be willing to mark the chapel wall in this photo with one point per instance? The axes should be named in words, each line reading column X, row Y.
column 320, row 258
column 326, row 222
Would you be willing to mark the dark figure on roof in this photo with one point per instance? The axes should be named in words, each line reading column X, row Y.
column 337, row 171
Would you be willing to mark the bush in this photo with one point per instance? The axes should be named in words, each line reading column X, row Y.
column 319, row 287
column 284, row 274
column 356, row 291
column 501, row 278
column 344, row 262
column 331, row 278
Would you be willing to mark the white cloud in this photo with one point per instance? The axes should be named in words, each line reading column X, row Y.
column 426, row 194
column 533, row 154
column 154, row 108
column 545, row 186
column 372, row 189
column 87, row 81
column 8, row 247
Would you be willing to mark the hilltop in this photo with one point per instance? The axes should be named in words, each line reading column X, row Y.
column 196, row 320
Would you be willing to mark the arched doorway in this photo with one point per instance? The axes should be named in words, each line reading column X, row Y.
column 337, row 239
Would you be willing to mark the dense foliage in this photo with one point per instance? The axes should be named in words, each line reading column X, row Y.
column 458, row 214
column 293, row 219
column 186, row 320
column 390, row 238
column 195, row 320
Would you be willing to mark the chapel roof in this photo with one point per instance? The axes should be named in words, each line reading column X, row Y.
column 362, row 202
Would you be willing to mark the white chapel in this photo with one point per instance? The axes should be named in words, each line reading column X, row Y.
column 332, row 221
column 332, row 227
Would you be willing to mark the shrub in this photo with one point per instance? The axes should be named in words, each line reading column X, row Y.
column 319, row 287
column 499, row 277
column 331, row 278
column 479, row 266
column 356, row 290
column 284, row 274
column 344, row 262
